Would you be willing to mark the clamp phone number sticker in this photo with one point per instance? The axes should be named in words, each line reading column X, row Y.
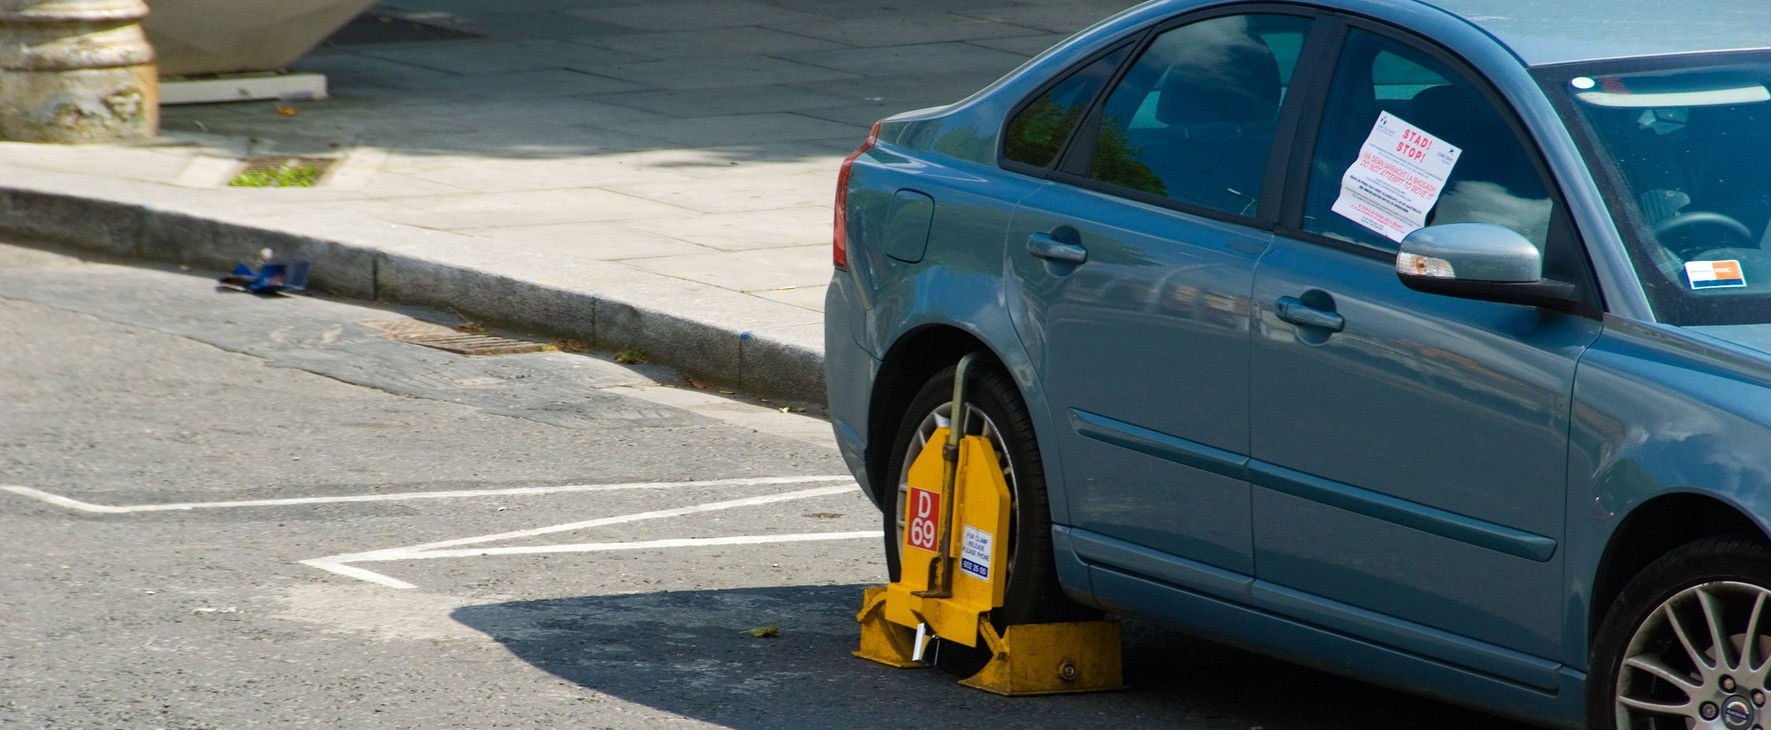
column 1398, row 177
column 1720, row 274
column 975, row 556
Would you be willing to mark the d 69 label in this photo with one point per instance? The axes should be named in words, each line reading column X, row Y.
column 923, row 517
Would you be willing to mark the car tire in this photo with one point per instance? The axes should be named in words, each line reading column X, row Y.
column 1659, row 635
column 1033, row 594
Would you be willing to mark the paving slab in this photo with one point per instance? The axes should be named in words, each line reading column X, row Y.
column 626, row 172
column 533, row 207
column 906, row 29
column 697, row 73
column 696, row 14
column 920, row 58
column 718, row 42
column 1065, row 18
column 606, row 243
column 905, row 90
column 748, row 271
column 737, row 128
column 549, row 24
column 737, row 195
column 474, row 57
column 1030, row 45
column 691, row 103
column 745, row 230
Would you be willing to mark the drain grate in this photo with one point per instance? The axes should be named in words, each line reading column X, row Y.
column 462, row 343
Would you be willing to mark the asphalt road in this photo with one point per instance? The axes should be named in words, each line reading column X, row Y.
column 224, row 511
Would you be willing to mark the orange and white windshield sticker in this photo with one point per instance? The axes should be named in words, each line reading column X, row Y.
column 1714, row 274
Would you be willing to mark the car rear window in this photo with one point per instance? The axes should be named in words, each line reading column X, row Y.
column 1039, row 129
column 1193, row 119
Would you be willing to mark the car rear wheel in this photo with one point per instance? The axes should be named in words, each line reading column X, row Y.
column 995, row 411
column 1688, row 644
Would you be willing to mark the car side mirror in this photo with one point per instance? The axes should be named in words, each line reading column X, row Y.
column 1480, row 261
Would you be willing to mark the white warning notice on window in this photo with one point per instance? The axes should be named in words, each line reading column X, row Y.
column 1400, row 173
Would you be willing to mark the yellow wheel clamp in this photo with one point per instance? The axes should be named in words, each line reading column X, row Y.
column 953, row 575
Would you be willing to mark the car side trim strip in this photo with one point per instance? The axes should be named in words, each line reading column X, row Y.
column 1432, row 520
column 1159, row 444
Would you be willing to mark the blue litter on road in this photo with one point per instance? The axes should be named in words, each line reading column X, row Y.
column 271, row 278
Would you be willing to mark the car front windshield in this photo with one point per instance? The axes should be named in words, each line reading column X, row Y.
column 1682, row 146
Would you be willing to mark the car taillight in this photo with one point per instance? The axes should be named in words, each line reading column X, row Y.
column 839, row 241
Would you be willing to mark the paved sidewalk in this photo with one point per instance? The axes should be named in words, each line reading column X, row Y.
column 629, row 172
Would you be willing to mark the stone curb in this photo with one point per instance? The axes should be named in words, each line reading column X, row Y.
column 708, row 349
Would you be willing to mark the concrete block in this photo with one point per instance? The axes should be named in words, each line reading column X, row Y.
column 110, row 227
column 476, row 292
column 784, row 365
column 199, row 241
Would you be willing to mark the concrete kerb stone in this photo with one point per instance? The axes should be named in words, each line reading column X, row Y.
column 188, row 239
column 106, row 226
column 711, row 350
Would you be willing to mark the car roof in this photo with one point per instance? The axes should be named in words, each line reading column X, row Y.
column 1544, row 32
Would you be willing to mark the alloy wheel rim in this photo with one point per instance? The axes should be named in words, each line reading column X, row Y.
column 978, row 423
column 1698, row 661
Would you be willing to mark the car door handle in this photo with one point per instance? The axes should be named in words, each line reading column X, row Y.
column 1295, row 311
column 1046, row 247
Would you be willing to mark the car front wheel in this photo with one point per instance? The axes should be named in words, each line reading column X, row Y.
column 1688, row 643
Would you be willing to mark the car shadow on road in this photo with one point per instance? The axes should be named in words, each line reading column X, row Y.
column 690, row 653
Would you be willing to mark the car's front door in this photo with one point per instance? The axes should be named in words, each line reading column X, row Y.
column 1130, row 279
column 1409, row 450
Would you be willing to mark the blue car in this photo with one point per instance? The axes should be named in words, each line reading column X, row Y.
column 1426, row 342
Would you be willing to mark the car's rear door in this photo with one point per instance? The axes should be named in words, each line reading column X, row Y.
column 1130, row 272
column 1409, row 450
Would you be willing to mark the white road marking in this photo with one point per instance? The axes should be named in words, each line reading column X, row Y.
column 349, row 571
column 620, row 519
column 340, row 564
column 597, row 547
column 75, row 504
